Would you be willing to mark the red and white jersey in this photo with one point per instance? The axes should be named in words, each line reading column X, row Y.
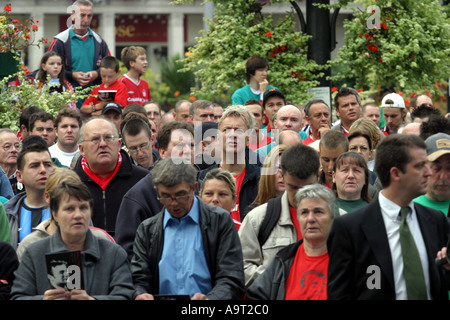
column 137, row 92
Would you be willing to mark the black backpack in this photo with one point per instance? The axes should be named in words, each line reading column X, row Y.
column 271, row 218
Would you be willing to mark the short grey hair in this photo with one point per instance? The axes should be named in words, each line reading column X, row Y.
column 172, row 171
column 318, row 191
column 179, row 103
column 86, row 3
column 199, row 104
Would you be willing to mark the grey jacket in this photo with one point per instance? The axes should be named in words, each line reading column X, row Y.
column 106, row 270
column 12, row 208
column 222, row 251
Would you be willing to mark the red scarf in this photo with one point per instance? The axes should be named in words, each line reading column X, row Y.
column 102, row 182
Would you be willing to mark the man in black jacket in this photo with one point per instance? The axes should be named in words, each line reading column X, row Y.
column 190, row 248
column 234, row 129
column 106, row 170
column 372, row 253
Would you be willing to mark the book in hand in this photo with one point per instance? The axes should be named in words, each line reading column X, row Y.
column 106, row 95
column 64, row 270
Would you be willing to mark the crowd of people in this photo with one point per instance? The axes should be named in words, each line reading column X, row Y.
column 262, row 199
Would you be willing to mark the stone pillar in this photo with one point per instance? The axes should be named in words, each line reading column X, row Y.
column 34, row 53
column 175, row 35
column 107, row 31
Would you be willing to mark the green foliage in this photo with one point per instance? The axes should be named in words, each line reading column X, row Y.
column 409, row 51
column 240, row 30
column 179, row 82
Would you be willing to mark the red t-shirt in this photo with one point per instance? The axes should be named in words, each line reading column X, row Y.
column 294, row 219
column 263, row 142
column 136, row 92
column 235, row 214
column 308, row 276
column 121, row 94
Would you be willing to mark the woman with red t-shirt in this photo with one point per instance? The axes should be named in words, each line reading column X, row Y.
column 299, row 271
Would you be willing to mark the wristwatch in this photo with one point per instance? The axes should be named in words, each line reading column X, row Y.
column 93, row 108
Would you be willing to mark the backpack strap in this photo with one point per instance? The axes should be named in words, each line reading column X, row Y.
column 271, row 218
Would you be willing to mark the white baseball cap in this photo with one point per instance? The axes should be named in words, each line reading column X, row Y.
column 393, row 100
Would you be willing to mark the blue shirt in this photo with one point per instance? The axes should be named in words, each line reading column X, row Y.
column 183, row 268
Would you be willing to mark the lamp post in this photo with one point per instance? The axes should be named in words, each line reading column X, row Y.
column 322, row 29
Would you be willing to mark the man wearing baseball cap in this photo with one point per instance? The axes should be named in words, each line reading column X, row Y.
column 113, row 112
column 273, row 100
column 394, row 112
column 438, row 190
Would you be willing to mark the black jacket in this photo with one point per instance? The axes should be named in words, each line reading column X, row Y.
column 107, row 203
column 222, row 248
column 138, row 204
column 8, row 265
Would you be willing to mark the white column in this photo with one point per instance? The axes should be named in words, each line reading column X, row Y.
column 208, row 13
column 107, row 31
column 34, row 53
column 175, row 35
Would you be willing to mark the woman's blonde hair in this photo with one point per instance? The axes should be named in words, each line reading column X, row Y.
column 369, row 128
column 56, row 177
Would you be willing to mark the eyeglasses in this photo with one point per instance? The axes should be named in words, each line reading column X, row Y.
column 142, row 147
column 8, row 146
column 178, row 199
column 108, row 138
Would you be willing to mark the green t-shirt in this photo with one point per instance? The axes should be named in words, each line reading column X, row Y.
column 346, row 206
column 438, row 205
column 242, row 95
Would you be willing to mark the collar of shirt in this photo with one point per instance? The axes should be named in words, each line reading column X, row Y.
column 193, row 215
column 73, row 34
column 391, row 210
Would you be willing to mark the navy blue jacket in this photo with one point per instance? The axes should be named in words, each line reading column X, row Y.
column 138, row 204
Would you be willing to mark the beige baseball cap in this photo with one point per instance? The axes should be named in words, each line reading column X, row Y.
column 437, row 145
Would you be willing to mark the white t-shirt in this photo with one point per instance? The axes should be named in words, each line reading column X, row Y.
column 64, row 157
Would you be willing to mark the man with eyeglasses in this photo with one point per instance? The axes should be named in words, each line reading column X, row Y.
column 153, row 110
column 106, row 169
column 9, row 150
column 190, row 248
column 137, row 136
column 175, row 139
